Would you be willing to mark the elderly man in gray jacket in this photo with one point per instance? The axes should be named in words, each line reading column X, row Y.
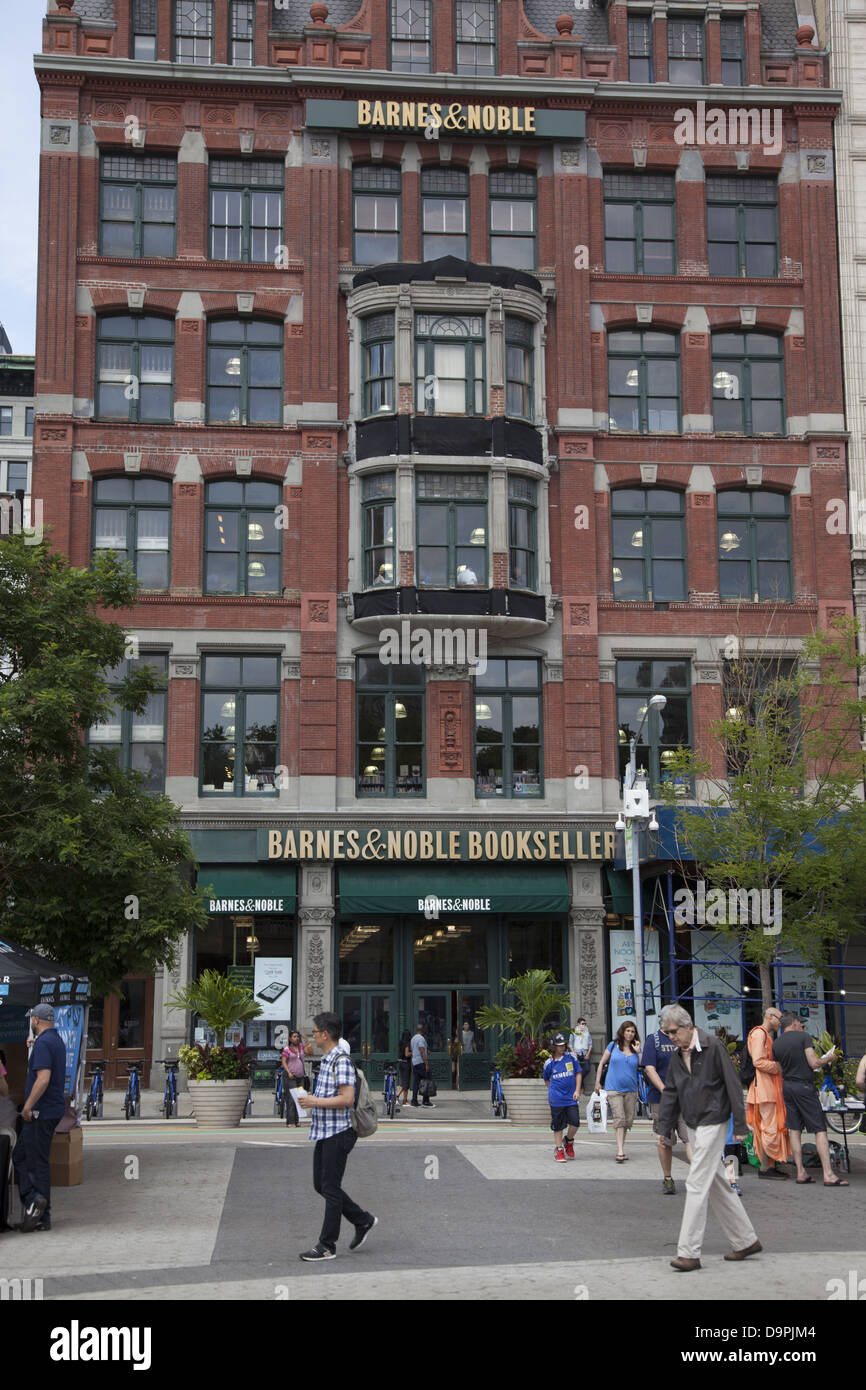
column 702, row 1086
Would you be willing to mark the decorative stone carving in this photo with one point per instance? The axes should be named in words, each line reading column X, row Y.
column 570, row 157
column 707, row 674
column 552, row 670
column 315, row 971
column 320, row 149
column 588, row 967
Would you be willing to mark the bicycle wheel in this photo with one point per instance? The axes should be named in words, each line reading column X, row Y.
column 128, row 1106
column 166, row 1103
column 503, row 1109
column 392, row 1102
column 99, row 1100
column 494, row 1104
column 88, row 1108
column 846, row 1122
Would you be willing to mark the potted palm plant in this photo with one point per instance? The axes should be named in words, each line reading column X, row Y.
column 218, row 1076
column 536, row 999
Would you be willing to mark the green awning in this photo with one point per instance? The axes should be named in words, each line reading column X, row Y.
column 458, row 888
column 250, row 888
column 619, row 882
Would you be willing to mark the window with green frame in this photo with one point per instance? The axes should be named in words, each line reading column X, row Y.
column 748, row 383
column 648, row 544
column 451, row 530
column 143, row 30
column 639, row 224
column 411, row 47
column 519, row 366
column 240, row 725
column 733, row 38
column 377, row 350
column 449, row 364
column 444, row 213
column 522, row 532
column 513, row 200
column 243, row 547
column 685, row 50
column 665, row 730
column 742, row 225
column 389, row 727
column 245, row 372
column 243, row 33
column 132, row 517
column 475, row 26
column 134, row 368
column 376, row 193
column 137, row 205
column 137, row 740
column 193, row 31
column 377, row 524
column 508, row 729
column 246, row 209
column 754, row 530
column 643, row 381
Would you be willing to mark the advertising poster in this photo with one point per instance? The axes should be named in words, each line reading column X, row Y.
column 622, row 1004
column 69, row 1022
column 273, row 987
column 803, row 994
column 716, row 988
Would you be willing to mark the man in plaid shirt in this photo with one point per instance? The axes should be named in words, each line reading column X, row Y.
column 331, row 1128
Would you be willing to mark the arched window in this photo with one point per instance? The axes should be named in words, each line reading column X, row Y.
column 748, row 383
column 754, row 530
column 244, row 372
column 449, row 364
column 648, row 544
column 134, row 368
column 643, row 380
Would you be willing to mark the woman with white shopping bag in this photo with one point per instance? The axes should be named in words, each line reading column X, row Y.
column 596, row 1113
column 622, row 1057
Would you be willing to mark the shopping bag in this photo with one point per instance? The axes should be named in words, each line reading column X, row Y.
column 596, row 1113
column 750, row 1150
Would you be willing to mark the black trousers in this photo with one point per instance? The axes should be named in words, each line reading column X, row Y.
column 31, row 1158
column 419, row 1071
column 329, row 1165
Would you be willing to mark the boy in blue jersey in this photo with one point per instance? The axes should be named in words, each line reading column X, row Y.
column 564, row 1081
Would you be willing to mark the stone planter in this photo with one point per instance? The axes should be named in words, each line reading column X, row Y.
column 218, row 1104
column 526, row 1098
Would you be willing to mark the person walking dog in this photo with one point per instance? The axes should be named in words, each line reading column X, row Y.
column 702, row 1086
column 331, row 1128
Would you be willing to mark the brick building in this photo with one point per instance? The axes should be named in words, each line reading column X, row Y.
column 455, row 375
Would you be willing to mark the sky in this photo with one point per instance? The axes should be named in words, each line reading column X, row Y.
column 19, row 169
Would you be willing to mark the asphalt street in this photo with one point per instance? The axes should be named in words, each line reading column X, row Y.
column 464, row 1211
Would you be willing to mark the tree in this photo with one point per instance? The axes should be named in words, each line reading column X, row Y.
column 219, row 1001
column 536, row 997
column 779, row 807
column 92, row 867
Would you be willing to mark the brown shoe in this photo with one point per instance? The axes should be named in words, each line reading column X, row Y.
column 749, row 1250
column 685, row 1266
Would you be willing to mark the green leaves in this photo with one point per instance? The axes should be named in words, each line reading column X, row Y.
column 93, row 870
column 537, row 999
column 218, row 1000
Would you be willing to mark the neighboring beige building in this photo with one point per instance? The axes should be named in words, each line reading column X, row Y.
column 842, row 29
column 16, row 423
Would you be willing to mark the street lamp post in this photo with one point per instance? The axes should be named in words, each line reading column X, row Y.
column 634, row 813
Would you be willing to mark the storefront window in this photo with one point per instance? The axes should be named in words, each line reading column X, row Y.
column 366, row 955
column 535, row 945
column 450, row 954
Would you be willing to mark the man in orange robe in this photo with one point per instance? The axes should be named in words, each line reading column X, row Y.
column 765, row 1102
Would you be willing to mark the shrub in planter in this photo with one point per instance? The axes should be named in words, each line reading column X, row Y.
column 205, row 1063
column 217, row 1075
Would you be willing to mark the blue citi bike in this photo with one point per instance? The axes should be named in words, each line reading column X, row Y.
column 498, row 1102
column 389, row 1092
column 95, row 1095
column 169, row 1098
column 132, row 1099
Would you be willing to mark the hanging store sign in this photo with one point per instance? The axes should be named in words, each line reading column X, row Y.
column 448, row 118
column 466, row 846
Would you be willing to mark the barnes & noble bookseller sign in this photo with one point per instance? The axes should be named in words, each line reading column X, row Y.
column 433, row 119
column 372, row 844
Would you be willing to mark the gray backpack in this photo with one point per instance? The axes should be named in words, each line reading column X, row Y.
column 363, row 1113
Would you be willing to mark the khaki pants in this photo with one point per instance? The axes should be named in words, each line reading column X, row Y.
column 706, row 1185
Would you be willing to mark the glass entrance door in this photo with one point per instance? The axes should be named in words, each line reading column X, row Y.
column 475, row 1043
column 370, row 1030
column 434, row 1011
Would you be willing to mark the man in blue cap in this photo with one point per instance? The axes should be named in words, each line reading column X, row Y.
column 44, row 1106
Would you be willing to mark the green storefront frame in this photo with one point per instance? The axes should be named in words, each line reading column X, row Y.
column 393, row 963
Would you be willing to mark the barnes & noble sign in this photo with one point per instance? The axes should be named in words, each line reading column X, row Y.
column 371, row 844
column 446, row 118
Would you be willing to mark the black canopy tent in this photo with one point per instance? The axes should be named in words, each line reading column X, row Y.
column 27, row 979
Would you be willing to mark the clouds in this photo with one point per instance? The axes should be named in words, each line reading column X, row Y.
column 19, row 175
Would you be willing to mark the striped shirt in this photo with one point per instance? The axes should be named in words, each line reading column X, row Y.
column 336, row 1070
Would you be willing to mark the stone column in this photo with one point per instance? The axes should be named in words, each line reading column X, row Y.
column 171, row 1026
column 315, row 991
column 586, row 953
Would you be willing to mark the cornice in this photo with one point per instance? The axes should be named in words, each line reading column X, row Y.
column 197, row 262
column 302, row 82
